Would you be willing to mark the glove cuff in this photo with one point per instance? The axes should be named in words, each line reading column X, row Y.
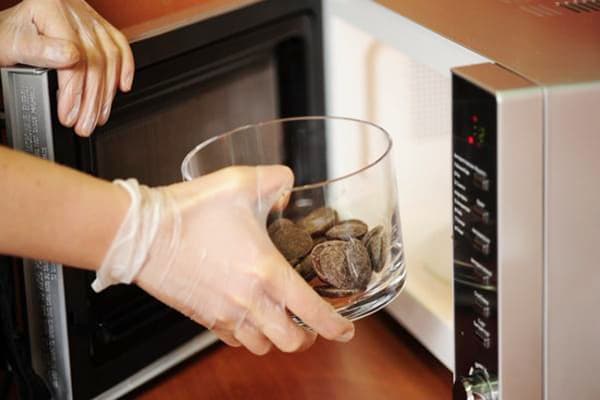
column 130, row 247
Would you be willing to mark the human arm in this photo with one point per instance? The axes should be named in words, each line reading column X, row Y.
column 56, row 213
column 209, row 257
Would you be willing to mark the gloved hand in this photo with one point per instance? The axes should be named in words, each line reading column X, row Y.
column 202, row 247
column 92, row 57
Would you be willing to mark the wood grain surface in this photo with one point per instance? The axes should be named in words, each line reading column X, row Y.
column 139, row 19
column 125, row 13
column 382, row 362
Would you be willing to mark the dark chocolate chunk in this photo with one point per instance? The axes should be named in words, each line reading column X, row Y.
column 345, row 230
column 376, row 243
column 342, row 264
column 292, row 241
column 359, row 264
column 318, row 221
column 279, row 223
column 305, row 268
column 319, row 240
column 329, row 291
column 329, row 262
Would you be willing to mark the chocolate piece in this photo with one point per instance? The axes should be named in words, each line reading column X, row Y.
column 345, row 230
column 279, row 223
column 376, row 243
column 329, row 263
column 318, row 221
column 359, row 264
column 292, row 241
column 371, row 233
column 329, row 291
column 319, row 240
column 305, row 268
column 342, row 264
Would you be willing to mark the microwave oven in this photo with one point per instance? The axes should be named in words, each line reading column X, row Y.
column 494, row 110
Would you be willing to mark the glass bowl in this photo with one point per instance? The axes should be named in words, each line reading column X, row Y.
column 344, row 202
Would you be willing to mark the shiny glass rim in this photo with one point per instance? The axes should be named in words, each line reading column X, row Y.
column 186, row 161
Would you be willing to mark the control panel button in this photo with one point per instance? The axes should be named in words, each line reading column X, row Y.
column 481, row 333
column 484, row 274
column 482, row 304
column 481, row 245
column 481, row 181
column 482, row 214
column 479, row 385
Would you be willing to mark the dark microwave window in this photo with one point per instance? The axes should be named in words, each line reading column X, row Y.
column 151, row 145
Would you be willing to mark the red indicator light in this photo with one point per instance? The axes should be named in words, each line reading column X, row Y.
column 470, row 139
column 474, row 118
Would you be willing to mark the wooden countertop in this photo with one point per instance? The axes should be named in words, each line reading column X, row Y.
column 382, row 362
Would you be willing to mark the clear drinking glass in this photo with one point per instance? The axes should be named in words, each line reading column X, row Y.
column 342, row 164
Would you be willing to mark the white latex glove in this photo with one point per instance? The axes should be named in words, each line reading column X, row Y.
column 202, row 247
column 92, row 57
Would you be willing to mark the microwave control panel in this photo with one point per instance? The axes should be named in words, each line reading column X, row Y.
column 475, row 241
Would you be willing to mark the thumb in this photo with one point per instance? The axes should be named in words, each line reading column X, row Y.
column 43, row 51
column 274, row 183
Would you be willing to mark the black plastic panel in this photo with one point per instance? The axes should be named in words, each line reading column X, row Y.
column 474, row 229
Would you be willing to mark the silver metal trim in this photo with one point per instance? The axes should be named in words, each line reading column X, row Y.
column 29, row 127
column 520, row 243
column 162, row 364
column 545, row 394
column 571, row 252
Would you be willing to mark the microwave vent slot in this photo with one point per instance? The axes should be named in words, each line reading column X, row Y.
column 554, row 8
column 548, row 8
column 580, row 6
column 541, row 10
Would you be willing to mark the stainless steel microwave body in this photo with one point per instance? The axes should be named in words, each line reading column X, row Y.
column 525, row 183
